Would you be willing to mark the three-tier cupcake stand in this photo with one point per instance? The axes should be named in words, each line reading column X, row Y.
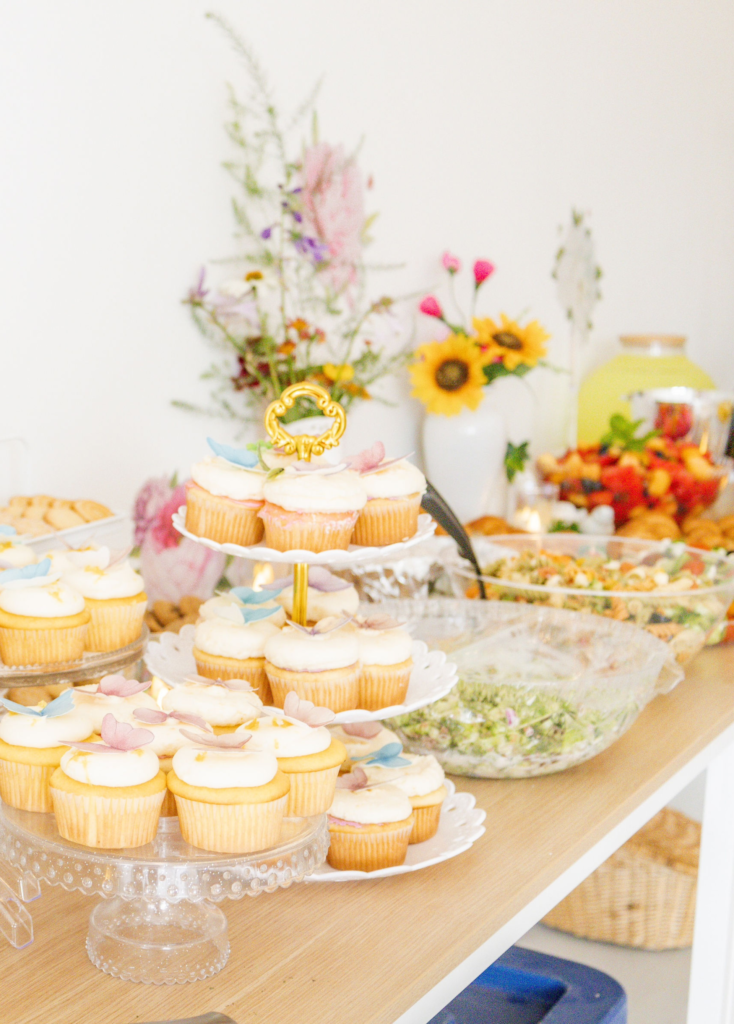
column 160, row 919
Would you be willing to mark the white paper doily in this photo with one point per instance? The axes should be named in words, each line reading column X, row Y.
column 170, row 658
column 353, row 555
column 459, row 828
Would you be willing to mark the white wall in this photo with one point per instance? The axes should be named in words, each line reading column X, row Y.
column 484, row 122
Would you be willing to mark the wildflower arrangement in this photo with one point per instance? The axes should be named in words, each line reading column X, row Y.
column 293, row 304
column 450, row 375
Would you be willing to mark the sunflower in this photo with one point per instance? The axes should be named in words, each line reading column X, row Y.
column 510, row 342
column 449, row 375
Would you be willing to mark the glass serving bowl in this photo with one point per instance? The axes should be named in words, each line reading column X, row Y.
column 684, row 617
column 539, row 690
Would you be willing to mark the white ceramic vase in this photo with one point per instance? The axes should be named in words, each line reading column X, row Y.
column 464, row 457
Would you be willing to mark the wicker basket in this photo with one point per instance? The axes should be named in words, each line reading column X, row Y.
column 644, row 895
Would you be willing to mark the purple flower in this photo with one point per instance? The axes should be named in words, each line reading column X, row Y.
column 266, row 233
column 307, row 246
column 198, row 293
column 297, row 216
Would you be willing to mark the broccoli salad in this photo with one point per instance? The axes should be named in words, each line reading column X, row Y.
column 491, row 729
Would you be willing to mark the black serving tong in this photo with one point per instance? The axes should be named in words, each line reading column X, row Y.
column 437, row 506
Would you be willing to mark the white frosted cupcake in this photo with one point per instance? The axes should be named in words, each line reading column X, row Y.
column 229, row 800
column 320, row 664
column 422, row 780
column 32, row 743
column 223, row 705
column 369, row 827
column 385, row 654
column 114, row 595
column 363, row 738
column 311, row 508
column 327, row 595
column 170, row 732
column 65, row 560
column 305, row 750
column 228, row 604
column 42, row 620
column 13, row 553
column 394, row 490
column 113, row 695
column 109, row 794
column 224, row 496
column 227, row 649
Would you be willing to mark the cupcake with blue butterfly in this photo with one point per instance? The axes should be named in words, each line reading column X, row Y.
column 231, row 643
column 43, row 621
column 225, row 494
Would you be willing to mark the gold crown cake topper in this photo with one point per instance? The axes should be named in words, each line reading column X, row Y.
column 305, row 445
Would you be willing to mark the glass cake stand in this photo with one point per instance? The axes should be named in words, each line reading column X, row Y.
column 92, row 665
column 159, row 922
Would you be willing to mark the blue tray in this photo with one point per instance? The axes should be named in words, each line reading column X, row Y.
column 524, row 987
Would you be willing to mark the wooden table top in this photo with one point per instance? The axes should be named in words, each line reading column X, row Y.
column 367, row 951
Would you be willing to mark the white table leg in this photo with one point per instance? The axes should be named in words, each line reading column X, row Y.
column 711, row 996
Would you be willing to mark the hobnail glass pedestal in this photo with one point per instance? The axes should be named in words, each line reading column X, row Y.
column 159, row 922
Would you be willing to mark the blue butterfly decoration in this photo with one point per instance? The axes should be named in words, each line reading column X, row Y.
column 386, row 757
column 237, row 456
column 249, row 596
column 255, row 614
column 8, row 531
column 62, row 705
column 28, row 572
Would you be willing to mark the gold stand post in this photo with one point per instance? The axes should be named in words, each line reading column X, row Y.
column 300, row 593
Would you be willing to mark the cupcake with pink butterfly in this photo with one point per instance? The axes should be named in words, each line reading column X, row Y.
column 305, row 750
column 386, row 661
column 169, row 731
column 224, row 704
column 394, row 488
column 108, row 794
column 230, row 798
column 112, row 695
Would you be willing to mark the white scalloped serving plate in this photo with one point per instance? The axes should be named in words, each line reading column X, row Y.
column 353, row 555
column 460, row 826
column 170, row 658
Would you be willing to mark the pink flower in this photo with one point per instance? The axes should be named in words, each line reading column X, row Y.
column 333, row 209
column 482, row 270
column 150, row 498
column 162, row 531
column 172, row 572
column 430, row 307
column 451, row 263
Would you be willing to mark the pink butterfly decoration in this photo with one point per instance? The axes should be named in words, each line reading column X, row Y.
column 155, row 717
column 116, row 737
column 378, row 622
column 354, row 780
column 371, row 460
column 305, row 711
column 365, row 730
column 326, row 625
column 119, row 686
column 238, row 685
column 227, row 741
